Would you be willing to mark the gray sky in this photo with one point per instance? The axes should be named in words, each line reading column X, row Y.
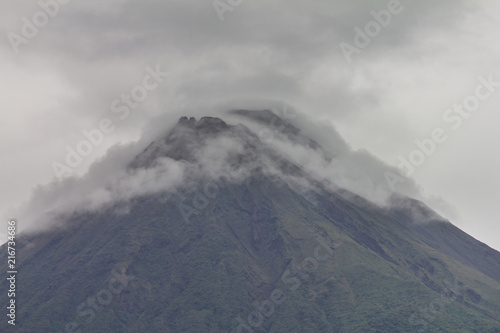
column 71, row 72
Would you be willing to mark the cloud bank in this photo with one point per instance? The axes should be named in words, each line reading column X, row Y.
column 65, row 79
column 208, row 148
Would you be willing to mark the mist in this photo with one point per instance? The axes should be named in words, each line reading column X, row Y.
column 73, row 74
column 166, row 159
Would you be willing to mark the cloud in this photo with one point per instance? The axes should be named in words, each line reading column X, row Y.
column 108, row 182
column 330, row 160
column 65, row 79
column 175, row 160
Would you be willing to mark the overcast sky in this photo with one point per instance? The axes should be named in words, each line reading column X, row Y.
column 68, row 71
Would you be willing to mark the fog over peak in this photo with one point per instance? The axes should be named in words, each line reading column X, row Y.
column 83, row 66
column 235, row 145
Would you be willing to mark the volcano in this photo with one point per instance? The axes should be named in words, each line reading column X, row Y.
column 251, row 240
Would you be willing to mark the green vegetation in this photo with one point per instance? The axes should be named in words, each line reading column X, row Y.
column 202, row 276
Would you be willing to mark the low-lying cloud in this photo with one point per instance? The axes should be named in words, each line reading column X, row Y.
column 183, row 154
column 91, row 53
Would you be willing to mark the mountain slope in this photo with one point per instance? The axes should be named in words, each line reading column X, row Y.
column 247, row 251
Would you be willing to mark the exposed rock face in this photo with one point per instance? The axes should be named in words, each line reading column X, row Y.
column 182, row 142
column 211, row 124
